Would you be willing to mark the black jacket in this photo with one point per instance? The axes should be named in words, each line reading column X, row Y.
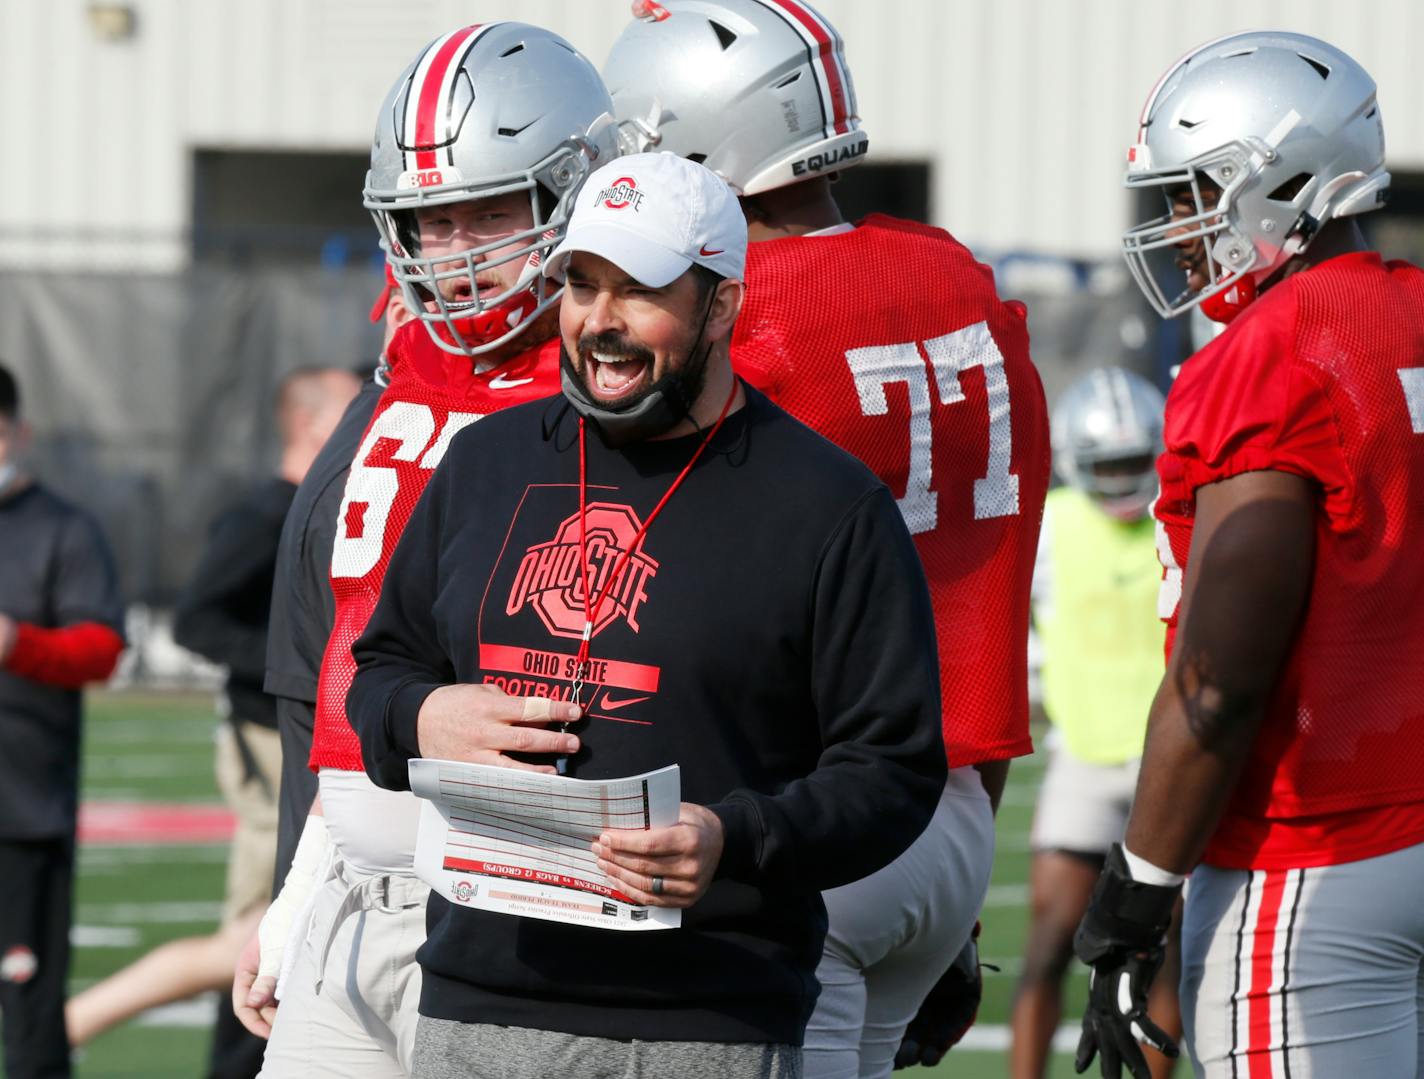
column 772, row 636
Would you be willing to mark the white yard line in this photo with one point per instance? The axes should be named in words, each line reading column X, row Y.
column 185, row 913
column 104, row 936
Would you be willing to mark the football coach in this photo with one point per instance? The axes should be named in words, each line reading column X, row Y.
column 698, row 579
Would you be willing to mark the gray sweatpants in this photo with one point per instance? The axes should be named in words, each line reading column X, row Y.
column 448, row 1050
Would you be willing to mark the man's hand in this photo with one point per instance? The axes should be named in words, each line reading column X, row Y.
column 8, row 633
column 948, row 1011
column 1121, row 938
column 683, row 857
column 481, row 724
column 254, row 999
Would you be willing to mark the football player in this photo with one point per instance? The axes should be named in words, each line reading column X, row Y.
column 1095, row 616
column 1281, row 766
column 480, row 148
column 887, row 337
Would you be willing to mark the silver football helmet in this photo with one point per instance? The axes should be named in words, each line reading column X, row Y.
column 1287, row 127
column 1106, row 432
column 485, row 110
column 756, row 90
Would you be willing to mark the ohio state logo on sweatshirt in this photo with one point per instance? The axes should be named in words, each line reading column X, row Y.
column 550, row 580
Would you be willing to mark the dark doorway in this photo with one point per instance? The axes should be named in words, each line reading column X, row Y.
column 256, row 207
column 898, row 188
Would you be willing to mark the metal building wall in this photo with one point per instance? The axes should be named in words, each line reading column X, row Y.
column 1023, row 107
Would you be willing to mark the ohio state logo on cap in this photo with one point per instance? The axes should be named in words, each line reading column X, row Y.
column 621, row 194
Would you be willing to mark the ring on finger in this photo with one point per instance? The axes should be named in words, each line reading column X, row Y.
column 657, row 885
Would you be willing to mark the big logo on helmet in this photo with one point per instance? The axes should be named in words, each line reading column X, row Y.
column 417, row 178
column 550, row 579
column 620, row 194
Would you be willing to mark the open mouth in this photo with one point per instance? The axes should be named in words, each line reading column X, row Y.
column 461, row 300
column 1193, row 265
column 489, row 288
column 615, row 376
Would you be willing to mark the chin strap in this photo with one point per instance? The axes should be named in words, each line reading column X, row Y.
column 490, row 324
column 1225, row 305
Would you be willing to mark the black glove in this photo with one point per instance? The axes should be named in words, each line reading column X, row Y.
column 1122, row 939
column 948, row 1010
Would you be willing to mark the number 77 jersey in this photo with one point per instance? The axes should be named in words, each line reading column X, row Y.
column 889, row 340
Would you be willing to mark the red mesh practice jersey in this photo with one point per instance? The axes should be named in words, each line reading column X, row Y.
column 890, row 340
column 432, row 396
column 1323, row 377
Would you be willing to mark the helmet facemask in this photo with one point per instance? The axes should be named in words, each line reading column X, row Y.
column 1230, row 258
column 473, row 325
column 1106, row 433
column 1287, row 127
column 1124, row 492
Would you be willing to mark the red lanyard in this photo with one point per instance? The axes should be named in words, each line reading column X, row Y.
column 590, row 615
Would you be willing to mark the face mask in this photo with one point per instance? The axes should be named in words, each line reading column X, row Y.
column 663, row 407
column 8, row 472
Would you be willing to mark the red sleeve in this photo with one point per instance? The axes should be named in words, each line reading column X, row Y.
column 1248, row 404
column 67, row 657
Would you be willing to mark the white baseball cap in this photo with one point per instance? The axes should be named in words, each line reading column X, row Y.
column 653, row 216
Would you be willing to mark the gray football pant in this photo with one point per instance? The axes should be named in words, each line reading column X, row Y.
column 1306, row 973
column 894, row 933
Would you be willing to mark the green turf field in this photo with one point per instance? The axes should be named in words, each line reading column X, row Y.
column 145, row 747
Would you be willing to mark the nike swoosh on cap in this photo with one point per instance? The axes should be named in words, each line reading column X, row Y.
column 611, row 705
column 708, row 254
column 499, row 382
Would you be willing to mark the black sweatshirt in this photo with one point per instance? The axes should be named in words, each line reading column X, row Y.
column 773, row 637
column 222, row 613
column 303, row 610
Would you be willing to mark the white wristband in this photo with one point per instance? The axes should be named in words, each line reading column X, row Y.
column 308, row 865
column 1144, row 872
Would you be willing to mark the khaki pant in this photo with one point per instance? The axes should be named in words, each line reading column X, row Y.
column 254, row 843
column 348, row 1008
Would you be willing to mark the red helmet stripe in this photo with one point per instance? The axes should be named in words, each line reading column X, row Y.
column 825, row 44
column 432, row 90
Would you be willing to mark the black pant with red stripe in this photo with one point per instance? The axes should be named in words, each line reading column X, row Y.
column 36, row 901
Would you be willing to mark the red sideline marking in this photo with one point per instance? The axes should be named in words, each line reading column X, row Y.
column 154, row 823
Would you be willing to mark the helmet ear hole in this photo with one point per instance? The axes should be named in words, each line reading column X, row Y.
column 546, row 201
column 1288, row 191
column 406, row 230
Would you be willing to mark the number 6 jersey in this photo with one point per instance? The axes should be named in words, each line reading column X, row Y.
column 1323, row 377
column 889, row 339
column 431, row 398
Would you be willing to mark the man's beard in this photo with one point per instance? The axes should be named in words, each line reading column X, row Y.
column 609, row 344
column 655, row 409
